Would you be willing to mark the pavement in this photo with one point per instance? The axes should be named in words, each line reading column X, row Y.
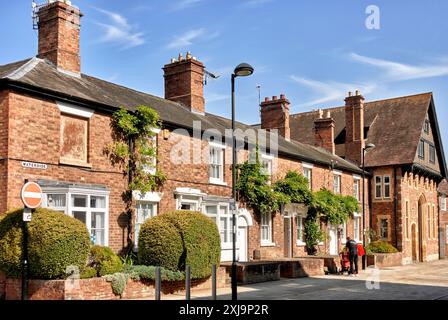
column 421, row 281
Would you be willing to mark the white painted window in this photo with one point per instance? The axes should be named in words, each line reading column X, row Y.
column 386, row 184
column 356, row 188
column 300, row 225
column 307, row 173
column 216, row 164
column 384, row 229
column 266, row 228
column 220, row 213
column 336, row 183
column 144, row 210
column 378, row 187
column 357, row 227
column 267, row 165
column 443, row 202
column 89, row 206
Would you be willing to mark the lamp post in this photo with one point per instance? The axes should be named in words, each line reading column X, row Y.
column 242, row 70
column 368, row 147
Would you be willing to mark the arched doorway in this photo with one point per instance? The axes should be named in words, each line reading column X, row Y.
column 421, row 229
column 244, row 221
column 414, row 243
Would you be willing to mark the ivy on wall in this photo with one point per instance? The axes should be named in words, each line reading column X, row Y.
column 134, row 150
column 254, row 189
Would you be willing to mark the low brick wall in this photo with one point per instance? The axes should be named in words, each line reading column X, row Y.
column 100, row 289
column 302, row 267
column 2, row 285
column 331, row 263
column 384, row 260
column 254, row 272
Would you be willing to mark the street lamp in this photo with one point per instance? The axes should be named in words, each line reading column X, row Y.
column 368, row 147
column 242, row 70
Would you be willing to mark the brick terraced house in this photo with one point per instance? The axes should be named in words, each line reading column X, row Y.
column 55, row 123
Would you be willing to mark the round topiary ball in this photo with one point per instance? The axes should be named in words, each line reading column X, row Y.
column 55, row 242
column 201, row 241
column 160, row 244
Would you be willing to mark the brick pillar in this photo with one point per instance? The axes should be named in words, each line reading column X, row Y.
column 59, row 26
column 324, row 132
column 184, row 82
column 275, row 115
column 354, row 127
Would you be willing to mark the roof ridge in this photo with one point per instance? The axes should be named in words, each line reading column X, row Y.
column 23, row 69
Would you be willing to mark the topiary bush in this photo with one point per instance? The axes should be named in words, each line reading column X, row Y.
column 196, row 234
column 104, row 261
column 55, row 242
column 160, row 244
column 380, row 247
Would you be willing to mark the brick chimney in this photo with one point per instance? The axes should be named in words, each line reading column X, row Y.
column 275, row 115
column 59, row 26
column 184, row 82
column 324, row 132
column 354, row 127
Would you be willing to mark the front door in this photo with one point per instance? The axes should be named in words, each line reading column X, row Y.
column 242, row 241
column 287, row 235
column 333, row 239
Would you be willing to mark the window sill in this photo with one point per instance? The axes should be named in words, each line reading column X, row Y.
column 75, row 163
column 217, row 182
column 300, row 243
column 268, row 244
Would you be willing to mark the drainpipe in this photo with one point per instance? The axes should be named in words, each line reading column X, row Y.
column 395, row 206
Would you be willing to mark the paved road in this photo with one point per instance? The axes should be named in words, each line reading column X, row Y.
column 423, row 281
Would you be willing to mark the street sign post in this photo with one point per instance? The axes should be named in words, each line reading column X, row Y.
column 31, row 195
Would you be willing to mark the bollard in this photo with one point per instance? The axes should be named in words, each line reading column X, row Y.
column 214, row 282
column 187, row 282
column 158, row 283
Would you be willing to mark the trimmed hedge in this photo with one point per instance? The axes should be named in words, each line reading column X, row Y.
column 55, row 242
column 197, row 236
column 380, row 247
column 160, row 244
column 104, row 261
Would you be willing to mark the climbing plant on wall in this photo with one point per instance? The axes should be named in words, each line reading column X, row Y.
column 134, row 149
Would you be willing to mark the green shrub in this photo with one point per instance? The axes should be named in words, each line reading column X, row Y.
column 105, row 261
column 380, row 247
column 118, row 281
column 139, row 272
column 88, row 273
column 56, row 241
column 160, row 244
column 179, row 238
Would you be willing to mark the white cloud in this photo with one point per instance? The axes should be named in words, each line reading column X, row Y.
column 330, row 91
column 396, row 71
column 186, row 39
column 255, row 3
column 184, row 4
column 119, row 31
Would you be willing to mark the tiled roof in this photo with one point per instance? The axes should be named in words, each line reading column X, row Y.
column 43, row 78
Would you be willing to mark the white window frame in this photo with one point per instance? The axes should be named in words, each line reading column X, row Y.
column 443, row 202
column 380, row 185
column 308, row 167
column 337, row 174
column 299, row 217
column 357, row 190
column 387, row 184
column 138, row 224
column 69, row 209
column 153, row 167
column 269, row 241
column 357, row 220
column 265, row 158
column 218, row 217
column 221, row 149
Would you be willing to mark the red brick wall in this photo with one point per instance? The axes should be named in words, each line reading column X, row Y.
column 4, row 112
column 275, row 115
column 354, row 124
column 324, row 134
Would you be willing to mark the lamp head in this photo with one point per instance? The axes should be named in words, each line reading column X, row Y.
column 243, row 70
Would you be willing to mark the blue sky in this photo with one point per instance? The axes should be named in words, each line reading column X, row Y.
column 312, row 51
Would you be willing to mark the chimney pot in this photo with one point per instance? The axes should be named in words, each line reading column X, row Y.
column 349, row 93
column 274, row 97
column 328, row 114
column 282, row 96
column 188, row 56
column 357, row 93
column 266, row 99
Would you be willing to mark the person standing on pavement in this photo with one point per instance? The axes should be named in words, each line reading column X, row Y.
column 352, row 247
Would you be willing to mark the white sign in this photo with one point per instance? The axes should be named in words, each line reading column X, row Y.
column 27, row 215
column 34, row 165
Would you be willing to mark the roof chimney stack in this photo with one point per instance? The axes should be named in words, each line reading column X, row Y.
column 275, row 115
column 354, row 127
column 59, row 28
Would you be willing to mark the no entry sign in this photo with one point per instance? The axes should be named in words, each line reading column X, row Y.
column 31, row 195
